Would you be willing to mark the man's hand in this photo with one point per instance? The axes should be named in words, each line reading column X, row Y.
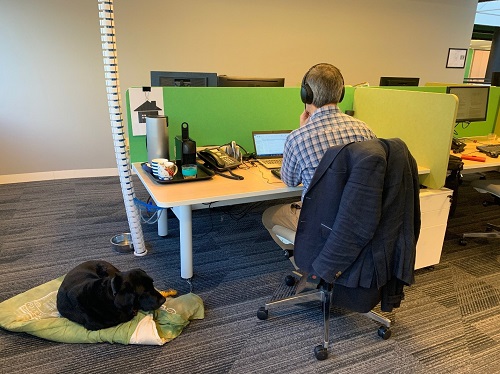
column 304, row 117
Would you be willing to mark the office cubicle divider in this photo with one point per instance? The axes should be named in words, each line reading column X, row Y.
column 423, row 120
column 217, row 115
column 479, row 128
column 493, row 109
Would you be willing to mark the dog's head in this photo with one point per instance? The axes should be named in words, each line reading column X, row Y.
column 134, row 290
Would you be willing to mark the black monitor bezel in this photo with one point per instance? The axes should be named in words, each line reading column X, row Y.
column 211, row 78
column 449, row 90
column 239, row 81
column 407, row 81
column 495, row 79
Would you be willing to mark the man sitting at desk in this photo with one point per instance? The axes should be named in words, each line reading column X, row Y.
column 322, row 125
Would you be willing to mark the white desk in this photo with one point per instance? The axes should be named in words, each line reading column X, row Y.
column 490, row 164
column 259, row 185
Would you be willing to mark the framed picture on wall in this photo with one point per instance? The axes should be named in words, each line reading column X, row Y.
column 456, row 58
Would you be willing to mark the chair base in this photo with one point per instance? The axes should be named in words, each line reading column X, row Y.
column 492, row 231
column 324, row 294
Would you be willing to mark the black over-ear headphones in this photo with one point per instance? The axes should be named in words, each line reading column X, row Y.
column 306, row 93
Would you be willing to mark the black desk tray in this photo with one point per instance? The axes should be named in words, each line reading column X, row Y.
column 202, row 174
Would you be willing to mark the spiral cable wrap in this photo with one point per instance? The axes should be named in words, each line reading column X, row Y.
column 106, row 21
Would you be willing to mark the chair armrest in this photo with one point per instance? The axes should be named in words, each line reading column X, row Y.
column 286, row 235
column 491, row 186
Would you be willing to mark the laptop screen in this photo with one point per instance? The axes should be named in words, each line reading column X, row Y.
column 269, row 143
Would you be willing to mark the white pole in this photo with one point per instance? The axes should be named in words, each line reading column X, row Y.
column 106, row 20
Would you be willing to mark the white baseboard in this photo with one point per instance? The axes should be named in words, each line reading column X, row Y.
column 52, row 175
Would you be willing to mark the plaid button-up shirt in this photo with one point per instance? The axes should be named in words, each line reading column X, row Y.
column 305, row 146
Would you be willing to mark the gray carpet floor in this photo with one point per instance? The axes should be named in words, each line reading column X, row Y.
column 449, row 321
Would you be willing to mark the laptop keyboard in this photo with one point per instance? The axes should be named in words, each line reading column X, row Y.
column 273, row 161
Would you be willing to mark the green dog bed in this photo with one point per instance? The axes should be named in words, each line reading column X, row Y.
column 34, row 312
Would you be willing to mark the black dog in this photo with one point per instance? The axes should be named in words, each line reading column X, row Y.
column 97, row 295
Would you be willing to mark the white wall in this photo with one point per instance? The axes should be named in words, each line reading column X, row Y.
column 53, row 106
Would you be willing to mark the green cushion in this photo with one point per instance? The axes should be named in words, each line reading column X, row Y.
column 35, row 312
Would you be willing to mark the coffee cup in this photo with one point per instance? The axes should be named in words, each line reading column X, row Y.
column 166, row 170
column 154, row 165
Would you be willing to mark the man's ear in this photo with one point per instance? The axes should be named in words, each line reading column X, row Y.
column 116, row 283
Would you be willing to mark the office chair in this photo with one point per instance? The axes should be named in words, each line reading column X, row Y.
column 324, row 294
column 491, row 187
column 357, row 233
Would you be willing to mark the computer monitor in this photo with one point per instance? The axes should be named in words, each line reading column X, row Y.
column 228, row 81
column 472, row 102
column 399, row 81
column 495, row 78
column 183, row 79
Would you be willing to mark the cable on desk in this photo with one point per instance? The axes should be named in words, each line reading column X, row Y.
column 245, row 165
column 268, row 181
column 465, row 124
column 149, row 213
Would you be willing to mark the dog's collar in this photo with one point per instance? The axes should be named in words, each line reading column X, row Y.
column 106, row 287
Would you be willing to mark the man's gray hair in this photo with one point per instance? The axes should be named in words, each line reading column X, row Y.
column 327, row 84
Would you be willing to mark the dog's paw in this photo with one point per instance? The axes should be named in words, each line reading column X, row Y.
column 169, row 292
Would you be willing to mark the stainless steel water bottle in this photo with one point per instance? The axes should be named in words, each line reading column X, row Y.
column 157, row 137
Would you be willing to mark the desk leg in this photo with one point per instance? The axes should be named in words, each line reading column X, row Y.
column 184, row 214
column 163, row 223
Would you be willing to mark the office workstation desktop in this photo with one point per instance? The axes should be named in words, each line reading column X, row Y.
column 479, row 153
column 476, row 110
column 219, row 115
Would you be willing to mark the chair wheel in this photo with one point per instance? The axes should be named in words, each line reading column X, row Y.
column 290, row 280
column 462, row 241
column 384, row 332
column 262, row 313
column 320, row 352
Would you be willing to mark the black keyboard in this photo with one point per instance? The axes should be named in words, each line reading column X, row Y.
column 489, row 148
column 492, row 150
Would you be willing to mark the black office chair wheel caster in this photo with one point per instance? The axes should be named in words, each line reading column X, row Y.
column 262, row 313
column 462, row 241
column 290, row 280
column 320, row 352
column 384, row 332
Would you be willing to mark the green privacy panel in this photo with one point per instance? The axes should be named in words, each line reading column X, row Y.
column 218, row 115
column 423, row 120
column 479, row 128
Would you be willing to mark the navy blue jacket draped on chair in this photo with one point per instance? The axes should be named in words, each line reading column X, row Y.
column 360, row 218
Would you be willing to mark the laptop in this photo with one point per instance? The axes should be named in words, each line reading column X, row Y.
column 269, row 147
